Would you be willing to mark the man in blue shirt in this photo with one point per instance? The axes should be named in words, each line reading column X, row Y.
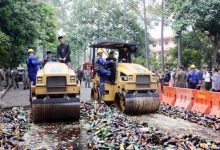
column 32, row 65
column 101, row 70
column 192, row 78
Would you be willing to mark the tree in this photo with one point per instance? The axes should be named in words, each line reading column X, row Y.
column 200, row 15
column 34, row 25
column 98, row 20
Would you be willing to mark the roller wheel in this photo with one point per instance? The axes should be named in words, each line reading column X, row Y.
column 136, row 103
column 95, row 94
column 120, row 101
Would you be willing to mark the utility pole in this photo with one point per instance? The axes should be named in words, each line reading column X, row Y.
column 179, row 48
column 162, row 39
column 146, row 38
column 124, row 21
column 78, row 58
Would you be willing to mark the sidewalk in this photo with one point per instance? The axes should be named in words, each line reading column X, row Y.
column 15, row 97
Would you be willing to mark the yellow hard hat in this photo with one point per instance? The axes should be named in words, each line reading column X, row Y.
column 99, row 51
column 193, row 66
column 30, row 51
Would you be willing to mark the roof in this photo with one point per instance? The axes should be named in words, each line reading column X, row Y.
column 115, row 45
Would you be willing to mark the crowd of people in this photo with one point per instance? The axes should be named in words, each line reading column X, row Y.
column 194, row 78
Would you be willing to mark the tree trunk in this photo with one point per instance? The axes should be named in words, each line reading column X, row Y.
column 215, row 52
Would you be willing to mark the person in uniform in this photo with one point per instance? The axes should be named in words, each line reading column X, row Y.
column 32, row 65
column 49, row 57
column 63, row 52
column 124, row 55
column 111, row 66
column 15, row 75
column 100, row 67
column 87, row 76
column 180, row 78
column 80, row 75
column 25, row 80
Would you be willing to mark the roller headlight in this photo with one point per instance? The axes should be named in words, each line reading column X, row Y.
column 124, row 78
column 72, row 78
column 39, row 80
column 130, row 78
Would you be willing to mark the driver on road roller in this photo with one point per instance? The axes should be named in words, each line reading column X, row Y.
column 100, row 67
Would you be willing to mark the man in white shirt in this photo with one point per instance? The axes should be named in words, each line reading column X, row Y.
column 207, row 79
column 216, row 81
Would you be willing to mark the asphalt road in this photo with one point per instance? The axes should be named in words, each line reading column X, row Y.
column 19, row 97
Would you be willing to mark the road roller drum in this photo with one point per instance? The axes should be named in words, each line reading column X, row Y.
column 55, row 109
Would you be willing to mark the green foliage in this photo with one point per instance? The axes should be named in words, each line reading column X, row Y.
column 98, row 20
column 27, row 24
column 191, row 56
column 139, row 60
column 200, row 15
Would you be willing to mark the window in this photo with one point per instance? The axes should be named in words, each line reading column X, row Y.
column 154, row 45
column 166, row 43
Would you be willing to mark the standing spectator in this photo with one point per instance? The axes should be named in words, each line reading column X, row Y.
column 63, row 52
column 200, row 75
column 87, row 76
column 25, row 80
column 216, row 81
column 172, row 78
column 180, row 78
column 167, row 77
column 15, row 75
column 207, row 79
column 7, row 77
column 192, row 78
column 79, row 75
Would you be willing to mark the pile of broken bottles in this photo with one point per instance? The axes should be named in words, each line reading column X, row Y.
column 195, row 117
column 110, row 129
column 13, row 124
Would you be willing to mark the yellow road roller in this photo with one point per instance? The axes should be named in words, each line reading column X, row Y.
column 134, row 90
column 56, row 94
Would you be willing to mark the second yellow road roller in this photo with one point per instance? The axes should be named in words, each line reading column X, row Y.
column 56, row 94
column 134, row 89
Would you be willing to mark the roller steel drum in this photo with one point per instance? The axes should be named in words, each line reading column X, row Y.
column 55, row 109
column 138, row 103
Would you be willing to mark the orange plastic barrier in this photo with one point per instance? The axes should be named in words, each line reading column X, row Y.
column 202, row 101
column 169, row 96
column 184, row 98
column 215, row 110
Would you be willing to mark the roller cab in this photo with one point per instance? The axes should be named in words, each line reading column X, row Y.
column 134, row 90
column 56, row 94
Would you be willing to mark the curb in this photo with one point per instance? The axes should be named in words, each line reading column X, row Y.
column 2, row 93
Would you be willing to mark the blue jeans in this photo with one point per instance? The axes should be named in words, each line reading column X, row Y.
column 104, row 75
column 32, row 77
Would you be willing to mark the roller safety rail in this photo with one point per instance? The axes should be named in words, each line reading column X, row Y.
column 206, row 102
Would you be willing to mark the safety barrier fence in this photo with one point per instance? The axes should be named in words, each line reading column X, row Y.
column 206, row 102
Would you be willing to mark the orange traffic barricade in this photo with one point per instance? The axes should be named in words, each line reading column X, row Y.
column 184, row 98
column 202, row 101
column 169, row 96
column 215, row 110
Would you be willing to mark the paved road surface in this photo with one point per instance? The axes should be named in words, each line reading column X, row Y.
column 20, row 97
column 16, row 97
